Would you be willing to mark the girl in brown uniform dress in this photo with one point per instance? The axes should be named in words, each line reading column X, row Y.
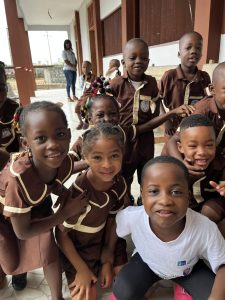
column 82, row 240
column 26, row 218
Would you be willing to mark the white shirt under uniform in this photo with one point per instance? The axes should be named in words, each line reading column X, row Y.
column 199, row 239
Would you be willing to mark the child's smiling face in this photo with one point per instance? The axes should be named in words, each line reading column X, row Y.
column 47, row 137
column 165, row 197
column 104, row 111
column 135, row 60
column 198, row 145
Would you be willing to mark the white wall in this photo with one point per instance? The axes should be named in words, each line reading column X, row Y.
column 107, row 7
column 222, row 48
column 164, row 55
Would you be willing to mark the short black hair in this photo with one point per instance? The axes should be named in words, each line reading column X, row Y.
column 195, row 121
column 100, row 97
column 133, row 41
column 67, row 42
column 86, row 62
column 23, row 112
column 106, row 130
column 220, row 68
column 165, row 160
column 189, row 33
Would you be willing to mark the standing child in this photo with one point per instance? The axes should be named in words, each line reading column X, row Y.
column 86, row 79
column 82, row 240
column 171, row 239
column 113, row 70
column 185, row 84
column 138, row 97
column 26, row 219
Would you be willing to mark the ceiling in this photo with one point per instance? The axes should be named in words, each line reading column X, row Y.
column 47, row 12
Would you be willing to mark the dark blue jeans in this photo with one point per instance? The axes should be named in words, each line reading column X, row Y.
column 70, row 81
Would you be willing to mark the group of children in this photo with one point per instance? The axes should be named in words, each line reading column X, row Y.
column 180, row 225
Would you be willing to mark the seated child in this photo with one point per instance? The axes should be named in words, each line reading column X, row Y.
column 198, row 146
column 171, row 239
column 113, row 70
column 82, row 240
column 185, row 84
column 26, row 216
column 85, row 81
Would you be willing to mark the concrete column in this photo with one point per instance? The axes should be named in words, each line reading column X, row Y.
column 208, row 22
column 21, row 55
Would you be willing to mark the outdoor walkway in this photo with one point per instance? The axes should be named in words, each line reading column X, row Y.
column 37, row 287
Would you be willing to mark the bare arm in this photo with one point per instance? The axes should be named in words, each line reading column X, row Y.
column 182, row 110
column 80, row 166
column 26, row 228
column 218, row 290
column 84, row 277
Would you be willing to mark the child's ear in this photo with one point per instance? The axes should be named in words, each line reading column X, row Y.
column 180, row 147
column 69, row 132
column 178, row 54
column 211, row 89
column 24, row 143
column 123, row 62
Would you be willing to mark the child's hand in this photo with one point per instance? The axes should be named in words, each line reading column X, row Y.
column 106, row 275
column 184, row 110
column 169, row 128
column 220, row 187
column 193, row 170
column 81, row 286
column 75, row 206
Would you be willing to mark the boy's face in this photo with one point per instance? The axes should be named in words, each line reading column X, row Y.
column 198, row 145
column 86, row 68
column 165, row 197
column 135, row 60
column 218, row 89
column 190, row 50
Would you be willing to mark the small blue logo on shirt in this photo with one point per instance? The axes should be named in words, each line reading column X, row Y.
column 181, row 263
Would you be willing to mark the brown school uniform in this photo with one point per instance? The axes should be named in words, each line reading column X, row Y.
column 22, row 191
column 203, row 191
column 176, row 90
column 87, row 232
column 8, row 137
column 137, row 107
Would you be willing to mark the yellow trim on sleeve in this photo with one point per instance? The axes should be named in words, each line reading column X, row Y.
column 16, row 209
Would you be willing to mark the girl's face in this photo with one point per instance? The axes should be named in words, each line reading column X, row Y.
column 48, row 139
column 105, row 161
column 104, row 111
column 165, row 197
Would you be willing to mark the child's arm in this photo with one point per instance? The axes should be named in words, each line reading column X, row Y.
column 26, row 228
column 4, row 158
column 84, row 277
column 218, row 290
column 183, row 110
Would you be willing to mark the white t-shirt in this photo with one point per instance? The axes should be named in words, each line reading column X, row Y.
column 70, row 56
column 199, row 239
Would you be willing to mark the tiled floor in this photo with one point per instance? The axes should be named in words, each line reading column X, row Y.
column 37, row 287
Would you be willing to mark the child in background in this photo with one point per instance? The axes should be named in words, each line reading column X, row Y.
column 185, row 84
column 26, row 217
column 85, row 80
column 198, row 146
column 170, row 239
column 82, row 240
column 138, row 97
column 113, row 70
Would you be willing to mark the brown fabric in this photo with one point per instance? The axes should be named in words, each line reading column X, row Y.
column 20, row 192
column 172, row 88
column 89, row 244
column 215, row 172
column 7, row 132
column 142, row 149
